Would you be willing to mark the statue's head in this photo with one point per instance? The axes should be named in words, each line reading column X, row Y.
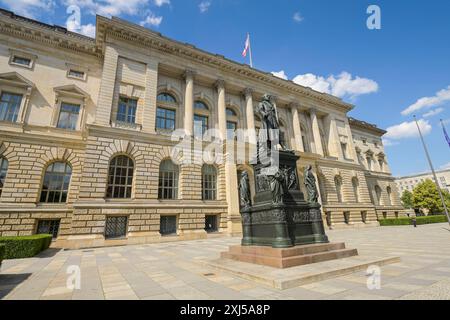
column 266, row 97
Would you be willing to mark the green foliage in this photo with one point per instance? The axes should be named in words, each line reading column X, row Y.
column 25, row 246
column 408, row 221
column 2, row 252
column 426, row 196
column 407, row 199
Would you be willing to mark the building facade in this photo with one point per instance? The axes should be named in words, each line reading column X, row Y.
column 87, row 149
column 410, row 182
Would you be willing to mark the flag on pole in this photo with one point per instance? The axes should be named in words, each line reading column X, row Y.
column 445, row 133
column 248, row 49
column 247, row 46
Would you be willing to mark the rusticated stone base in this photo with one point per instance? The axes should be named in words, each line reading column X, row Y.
column 289, row 257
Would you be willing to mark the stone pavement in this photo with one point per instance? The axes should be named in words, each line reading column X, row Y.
column 172, row 270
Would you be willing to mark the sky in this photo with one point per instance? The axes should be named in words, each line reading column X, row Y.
column 389, row 73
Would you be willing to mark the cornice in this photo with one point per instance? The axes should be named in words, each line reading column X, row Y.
column 51, row 36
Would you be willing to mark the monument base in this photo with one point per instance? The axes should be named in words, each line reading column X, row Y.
column 289, row 257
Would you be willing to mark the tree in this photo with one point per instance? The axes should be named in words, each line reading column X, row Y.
column 407, row 199
column 426, row 196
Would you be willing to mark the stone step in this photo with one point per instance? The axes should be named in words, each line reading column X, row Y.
column 286, row 252
column 291, row 261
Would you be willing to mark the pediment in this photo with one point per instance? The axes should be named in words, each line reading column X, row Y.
column 15, row 79
column 71, row 90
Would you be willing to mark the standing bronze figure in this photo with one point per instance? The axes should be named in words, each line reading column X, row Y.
column 310, row 184
column 277, row 188
column 244, row 190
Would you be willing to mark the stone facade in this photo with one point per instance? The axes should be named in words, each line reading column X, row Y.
column 50, row 67
column 410, row 182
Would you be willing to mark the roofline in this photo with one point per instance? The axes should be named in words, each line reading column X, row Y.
column 421, row 174
column 366, row 125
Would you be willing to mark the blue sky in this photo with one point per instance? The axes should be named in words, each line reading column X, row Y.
column 389, row 74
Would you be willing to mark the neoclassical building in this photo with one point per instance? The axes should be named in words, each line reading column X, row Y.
column 86, row 148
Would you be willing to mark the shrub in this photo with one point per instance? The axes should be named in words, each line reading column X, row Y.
column 2, row 253
column 408, row 221
column 25, row 246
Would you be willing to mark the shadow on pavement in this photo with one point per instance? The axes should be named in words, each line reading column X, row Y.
column 9, row 281
column 51, row 252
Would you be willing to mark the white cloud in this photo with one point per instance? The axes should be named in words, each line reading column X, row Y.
column 445, row 166
column 433, row 112
column 29, row 8
column 441, row 97
column 297, row 17
column 344, row 85
column 152, row 20
column 389, row 143
column 88, row 30
column 280, row 74
column 160, row 3
column 407, row 130
column 204, row 6
column 110, row 7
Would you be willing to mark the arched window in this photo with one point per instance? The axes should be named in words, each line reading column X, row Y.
column 120, row 177
column 168, row 180
column 201, row 118
column 389, row 195
column 56, row 183
column 338, row 185
column 355, row 184
column 166, row 97
column 209, row 182
column 166, row 112
column 3, row 171
column 305, row 140
column 232, row 123
column 378, row 195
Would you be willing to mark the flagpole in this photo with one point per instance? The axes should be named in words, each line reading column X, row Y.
column 432, row 170
column 250, row 50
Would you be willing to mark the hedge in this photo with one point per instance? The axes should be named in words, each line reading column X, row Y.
column 408, row 221
column 25, row 246
column 2, row 252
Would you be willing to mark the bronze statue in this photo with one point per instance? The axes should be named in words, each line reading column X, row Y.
column 310, row 184
column 244, row 190
column 277, row 187
column 269, row 119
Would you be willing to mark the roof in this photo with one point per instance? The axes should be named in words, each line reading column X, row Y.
column 363, row 125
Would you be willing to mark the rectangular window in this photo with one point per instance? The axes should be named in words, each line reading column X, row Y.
column 168, row 225
column 9, row 106
column 165, row 119
column 200, row 125
column 211, row 223
column 116, row 227
column 48, row 227
column 22, row 61
column 209, row 187
column 127, row 110
column 68, row 116
column 168, row 185
column 76, row 74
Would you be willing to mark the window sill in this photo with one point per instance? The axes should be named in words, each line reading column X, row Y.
column 126, row 125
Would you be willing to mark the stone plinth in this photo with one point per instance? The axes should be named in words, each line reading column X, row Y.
column 289, row 257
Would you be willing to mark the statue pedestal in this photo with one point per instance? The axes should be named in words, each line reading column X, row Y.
column 289, row 257
column 285, row 223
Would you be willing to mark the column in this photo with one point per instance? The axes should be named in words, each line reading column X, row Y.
column 297, row 129
column 106, row 92
column 316, row 131
column 151, row 92
column 350, row 145
column 189, row 102
column 220, row 85
column 248, row 93
column 334, row 145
